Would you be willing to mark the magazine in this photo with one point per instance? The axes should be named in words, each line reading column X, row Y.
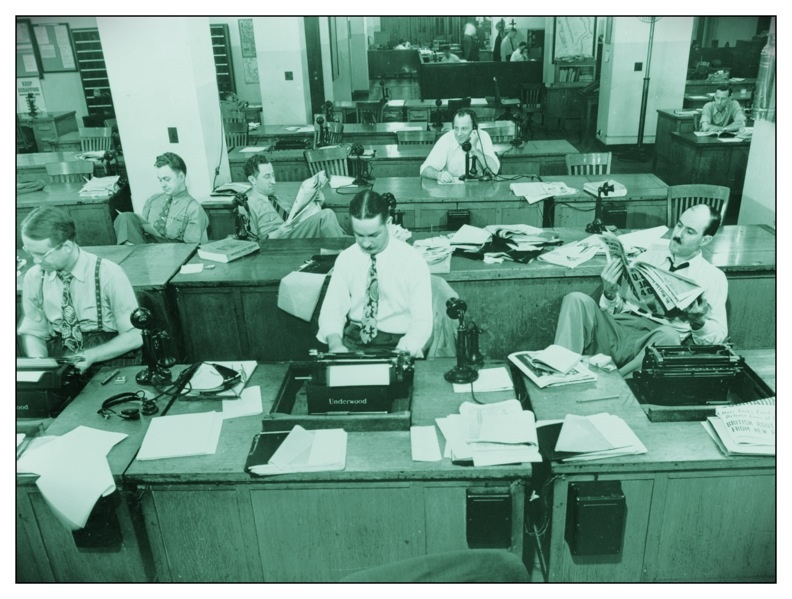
column 545, row 376
column 657, row 290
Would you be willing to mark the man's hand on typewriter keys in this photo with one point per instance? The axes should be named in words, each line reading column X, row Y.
column 335, row 345
column 610, row 276
column 697, row 313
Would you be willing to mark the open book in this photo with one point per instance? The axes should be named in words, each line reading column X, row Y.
column 657, row 290
column 309, row 198
column 534, row 365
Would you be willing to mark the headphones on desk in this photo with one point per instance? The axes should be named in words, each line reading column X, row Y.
column 148, row 406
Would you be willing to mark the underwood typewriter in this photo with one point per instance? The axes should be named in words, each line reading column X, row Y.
column 358, row 381
column 696, row 375
column 45, row 386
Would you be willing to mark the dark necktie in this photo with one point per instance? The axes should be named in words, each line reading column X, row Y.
column 368, row 326
column 679, row 266
column 159, row 224
column 71, row 334
column 278, row 208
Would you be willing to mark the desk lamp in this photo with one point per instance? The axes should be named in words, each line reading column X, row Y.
column 463, row 372
column 596, row 226
column 154, row 355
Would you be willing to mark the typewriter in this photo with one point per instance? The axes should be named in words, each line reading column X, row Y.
column 45, row 386
column 695, row 379
column 358, row 381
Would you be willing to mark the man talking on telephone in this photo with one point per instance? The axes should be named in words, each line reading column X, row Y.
column 446, row 161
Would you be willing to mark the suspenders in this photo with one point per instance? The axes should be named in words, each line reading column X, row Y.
column 98, row 287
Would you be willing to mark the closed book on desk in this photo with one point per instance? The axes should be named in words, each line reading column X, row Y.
column 226, row 250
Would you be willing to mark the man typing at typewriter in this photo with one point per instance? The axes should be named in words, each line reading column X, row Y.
column 75, row 304
column 380, row 293
column 619, row 328
column 267, row 216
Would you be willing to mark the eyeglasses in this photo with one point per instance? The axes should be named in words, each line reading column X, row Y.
column 47, row 253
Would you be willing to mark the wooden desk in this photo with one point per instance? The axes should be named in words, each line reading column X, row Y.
column 517, row 304
column 383, row 507
column 30, row 167
column 48, row 126
column 94, row 216
column 644, row 205
column 544, row 157
column 668, row 122
column 679, row 495
column 708, row 160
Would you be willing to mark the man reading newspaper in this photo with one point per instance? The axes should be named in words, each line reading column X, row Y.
column 630, row 316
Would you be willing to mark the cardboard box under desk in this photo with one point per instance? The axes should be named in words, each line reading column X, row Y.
column 291, row 407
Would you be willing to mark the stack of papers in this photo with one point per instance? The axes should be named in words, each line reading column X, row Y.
column 523, row 238
column 744, row 429
column 641, row 240
column 208, row 381
column 595, row 437
column 181, row 436
column 469, row 237
column 575, row 254
column 487, row 435
column 73, row 471
column 619, row 190
column 337, row 181
column 536, row 191
column 437, row 252
column 489, row 380
column 301, row 451
column 100, row 187
column 554, row 366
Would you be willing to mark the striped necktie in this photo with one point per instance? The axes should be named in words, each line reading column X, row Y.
column 368, row 325
column 160, row 223
column 71, row 334
column 278, row 208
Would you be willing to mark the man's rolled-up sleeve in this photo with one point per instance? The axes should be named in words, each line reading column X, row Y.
column 34, row 320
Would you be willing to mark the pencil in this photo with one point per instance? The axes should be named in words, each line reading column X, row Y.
column 598, row 398
column 111, row 376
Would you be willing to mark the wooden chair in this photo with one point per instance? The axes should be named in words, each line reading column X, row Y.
column 593, row 163
column 96, row 139
column 369, row 112
column 501, row 133
column 335, row 133
column 333, row 161
column 71, row 171
column 682, row 197
column 407, row 138
column 236, row 133
column 338, row 116
column 531, row 102
column 417, row 115
column 392, row 114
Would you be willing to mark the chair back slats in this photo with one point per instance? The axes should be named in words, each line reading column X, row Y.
column 236, row 133
column 531, row 96
column 70, row 171
column 335, row 133
column 682, row 197
column 333, row 161
column 415, row 137
column 502, row 133
column 369, row 113
column 96, row 139
column 592, row 163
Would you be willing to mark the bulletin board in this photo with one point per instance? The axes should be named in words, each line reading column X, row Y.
column 55, row 47
column 27, row 59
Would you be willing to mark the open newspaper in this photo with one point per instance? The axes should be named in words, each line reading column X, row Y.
column 309, row 198
column 657, row 290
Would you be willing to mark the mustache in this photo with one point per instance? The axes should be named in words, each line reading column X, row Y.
column 677, row 239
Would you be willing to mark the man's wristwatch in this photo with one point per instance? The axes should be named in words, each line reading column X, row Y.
column 610, row 298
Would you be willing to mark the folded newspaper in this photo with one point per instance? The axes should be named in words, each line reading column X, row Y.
column 309, row 198
column 657, row 290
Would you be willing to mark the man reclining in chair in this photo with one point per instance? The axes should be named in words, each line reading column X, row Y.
column 615, row 327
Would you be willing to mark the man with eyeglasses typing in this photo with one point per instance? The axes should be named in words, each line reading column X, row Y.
column 75, row 304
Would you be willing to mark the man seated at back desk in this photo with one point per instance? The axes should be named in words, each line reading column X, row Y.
column 446, row 161
column 168, row 217
column 617, row 327
column 722, row 113
column 267, row 216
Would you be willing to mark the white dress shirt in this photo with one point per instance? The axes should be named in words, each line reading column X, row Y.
column 405, row 293
column 448, row 155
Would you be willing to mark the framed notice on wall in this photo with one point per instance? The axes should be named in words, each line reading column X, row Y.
column 573, row 38
column 28, row 63
column 55, row 47
column 247, row 40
